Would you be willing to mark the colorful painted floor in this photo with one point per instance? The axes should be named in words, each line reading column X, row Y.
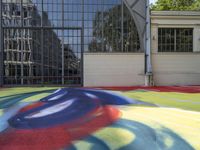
column 115, row 118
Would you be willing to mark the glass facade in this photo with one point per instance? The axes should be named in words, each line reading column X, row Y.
column 44, row 40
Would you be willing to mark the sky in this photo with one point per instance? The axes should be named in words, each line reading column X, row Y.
column 153, row 1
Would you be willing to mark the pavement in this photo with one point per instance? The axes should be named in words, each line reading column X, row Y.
column 100, row 118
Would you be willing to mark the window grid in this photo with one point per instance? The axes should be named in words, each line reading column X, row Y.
column 175, row 40
column 39, row 39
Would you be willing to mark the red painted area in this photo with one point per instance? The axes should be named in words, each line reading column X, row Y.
column 31, row 106
column 181, row 89
column 59, row 136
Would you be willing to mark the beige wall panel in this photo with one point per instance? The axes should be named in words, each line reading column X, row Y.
column 176, row 69
column 113, row 69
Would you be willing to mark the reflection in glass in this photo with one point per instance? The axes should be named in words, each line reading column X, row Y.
column 44, row 39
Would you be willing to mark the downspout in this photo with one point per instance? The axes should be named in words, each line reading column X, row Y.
column 148, row 64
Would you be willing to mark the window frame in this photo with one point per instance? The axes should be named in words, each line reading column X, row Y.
column 163, row 49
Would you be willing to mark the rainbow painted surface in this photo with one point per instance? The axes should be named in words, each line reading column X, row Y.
column 141, row 118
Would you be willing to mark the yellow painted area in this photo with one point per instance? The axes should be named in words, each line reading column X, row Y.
column 191, row 97
column 35, row 97
column 184, row 123
column 190, row 101
column 168, row 141
column 82, row 145
column 22, row 90
column 1, row 112
column 113, row 137
column 167, row 95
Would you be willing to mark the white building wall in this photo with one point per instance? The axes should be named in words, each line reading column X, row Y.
column 104, row 69
column 196, row 39
column 176, row 68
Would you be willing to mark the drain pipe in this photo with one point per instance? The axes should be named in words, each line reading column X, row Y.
column 148, row 65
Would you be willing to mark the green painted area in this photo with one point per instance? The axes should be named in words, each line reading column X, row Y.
column 22, row 90
column 11, row 96
column 36, row 97
column 188, row 101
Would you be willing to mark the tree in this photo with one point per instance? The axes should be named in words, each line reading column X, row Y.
column 196, row 5
column 177, row 5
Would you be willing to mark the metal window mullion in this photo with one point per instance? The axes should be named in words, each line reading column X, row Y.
column 57, row 63
column 49, row 38
column 50, row 28
column 63, row 57
column 175, row 42
column 160, row 36
column 63, row 73
column 185, row 43
column 41, row 23
column 170, row 40
column 63, row 14
column 42, row 47
column 30, row 57
column 21, row 3
column 192, row 34
column 1, row 48
column 51, row 58
column 112, row 43
column 22, row 60
column 22, row 66
column 102, row 27
column 82, row 46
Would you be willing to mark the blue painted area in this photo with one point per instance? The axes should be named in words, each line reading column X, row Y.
column 51, row 114
column 8, row 101
column 105, row 97
column 146, row 138
column 66, row 105
column 8, row 113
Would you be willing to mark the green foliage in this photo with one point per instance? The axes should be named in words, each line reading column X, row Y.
column 196, row 5
column 177, row 5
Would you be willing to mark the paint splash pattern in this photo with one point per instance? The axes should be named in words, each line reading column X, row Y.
column 114, row 118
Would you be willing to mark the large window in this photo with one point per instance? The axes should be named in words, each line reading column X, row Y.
column 109, row 27
column 44, row 39
column 175, row 40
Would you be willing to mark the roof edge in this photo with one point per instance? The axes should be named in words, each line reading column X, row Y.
column 175, row 13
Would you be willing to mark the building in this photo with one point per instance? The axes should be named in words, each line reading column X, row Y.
column 96, row 43
column 44, row 40
column 175, row 55
column 22, row 55
column 175, row 47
